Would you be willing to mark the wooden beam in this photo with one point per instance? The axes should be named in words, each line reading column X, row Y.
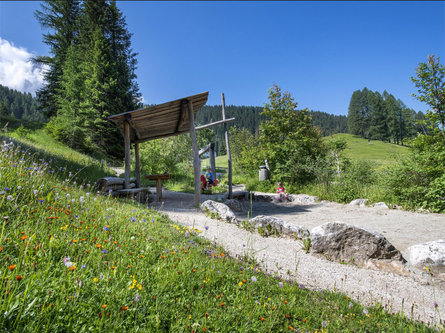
column 181, row 115
column 161, row 136
column 196, row 99
column 205, row 149
column 133, row 127
column 226, row 134
column 215, row 123
column 137, row 165
column 127, row 154
column 196, row 160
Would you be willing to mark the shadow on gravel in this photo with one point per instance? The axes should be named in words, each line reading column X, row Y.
column 270, row 208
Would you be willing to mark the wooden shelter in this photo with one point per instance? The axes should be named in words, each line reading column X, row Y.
column 160, row 121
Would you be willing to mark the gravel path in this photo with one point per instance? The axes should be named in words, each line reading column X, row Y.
column 417, row 295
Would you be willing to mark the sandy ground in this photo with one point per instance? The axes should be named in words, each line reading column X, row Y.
column 417, row 296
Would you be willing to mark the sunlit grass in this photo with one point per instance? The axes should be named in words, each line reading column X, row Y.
column 74, row 260
column 381, row 153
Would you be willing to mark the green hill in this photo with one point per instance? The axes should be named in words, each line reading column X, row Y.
column 381, row 153
column 378, row 152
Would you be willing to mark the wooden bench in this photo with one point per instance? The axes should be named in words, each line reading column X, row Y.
column 159, row 178
column 138, row 193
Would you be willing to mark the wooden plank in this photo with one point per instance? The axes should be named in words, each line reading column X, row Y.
column 180, row 118
column 194, row 98
column 137, row 165
column 156, row 111
column 219, row 122
column 196, row 160
column 127, row 153
column 162, row 176
column 161, row 136
column 226, row 135
column 205, row 149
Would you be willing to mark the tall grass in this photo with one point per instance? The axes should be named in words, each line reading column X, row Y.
column 74, row 260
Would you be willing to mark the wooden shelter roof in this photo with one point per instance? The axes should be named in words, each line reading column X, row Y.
column 163, row 120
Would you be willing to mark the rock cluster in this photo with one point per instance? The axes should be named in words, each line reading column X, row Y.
column 340, row 241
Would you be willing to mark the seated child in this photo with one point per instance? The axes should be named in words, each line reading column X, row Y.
column 282, row 193
column 209, row 177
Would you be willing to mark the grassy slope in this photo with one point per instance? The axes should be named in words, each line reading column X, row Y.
column 41, row 144
column 381, row 153
column 74, row 261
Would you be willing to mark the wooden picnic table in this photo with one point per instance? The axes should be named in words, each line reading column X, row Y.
column 158, row 178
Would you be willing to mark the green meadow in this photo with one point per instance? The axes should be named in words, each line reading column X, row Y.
column 73, row 259
column 379, row 152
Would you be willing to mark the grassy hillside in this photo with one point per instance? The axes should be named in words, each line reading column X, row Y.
column 381, row 153
column 40, row 145
column 378, row 152
column 74, row 260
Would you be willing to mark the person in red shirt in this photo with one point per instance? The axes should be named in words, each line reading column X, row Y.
column 282, row 193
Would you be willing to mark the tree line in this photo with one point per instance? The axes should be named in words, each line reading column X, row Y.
column 90, row 73
column 382, row 117
column 250, row 118
column 14, row 103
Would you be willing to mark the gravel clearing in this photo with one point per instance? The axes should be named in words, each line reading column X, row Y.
column 417, row 296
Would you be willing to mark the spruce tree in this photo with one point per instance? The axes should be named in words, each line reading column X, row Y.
column 354, row 113
column 61, row 19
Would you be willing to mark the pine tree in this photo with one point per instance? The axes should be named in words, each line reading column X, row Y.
column 378, row 128
column 60, row 18
column 354, row 119
column 96, row 77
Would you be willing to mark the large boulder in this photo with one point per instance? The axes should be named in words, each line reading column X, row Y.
column 431, row 254
column 273, row 225
column 220, row 211
column 349, row 243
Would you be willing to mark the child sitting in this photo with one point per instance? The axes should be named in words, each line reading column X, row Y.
column 282, row 193
column 209, row 177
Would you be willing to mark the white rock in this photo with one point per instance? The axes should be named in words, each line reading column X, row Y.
column 359, row 202
column 427, row 254
column 303, row 198
column 222, row 210
column 380, row 205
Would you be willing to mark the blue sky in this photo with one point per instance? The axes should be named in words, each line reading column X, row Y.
column 319, row 51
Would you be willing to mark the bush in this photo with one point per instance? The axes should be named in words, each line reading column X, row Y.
column 435, row 195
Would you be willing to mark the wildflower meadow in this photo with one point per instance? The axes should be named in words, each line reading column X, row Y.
column 72, row 259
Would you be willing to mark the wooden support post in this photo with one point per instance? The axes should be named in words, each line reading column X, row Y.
column 137, row 165
column 226, row 134
column 212, row 159
column 196, row 160
column 127, row 154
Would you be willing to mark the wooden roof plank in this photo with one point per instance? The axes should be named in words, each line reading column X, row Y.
column 159, row 121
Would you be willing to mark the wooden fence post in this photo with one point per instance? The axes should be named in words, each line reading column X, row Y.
column 137, row 165
column 127, row 154
column 212, row 159
column 196, row 160
column 226, row 134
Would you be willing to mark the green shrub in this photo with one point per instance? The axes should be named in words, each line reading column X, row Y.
column 435, row 195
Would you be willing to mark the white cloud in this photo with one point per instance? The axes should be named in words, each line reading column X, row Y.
column 16, row 69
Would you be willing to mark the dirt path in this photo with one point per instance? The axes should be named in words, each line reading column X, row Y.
column 417, row 296
column 401, row 228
